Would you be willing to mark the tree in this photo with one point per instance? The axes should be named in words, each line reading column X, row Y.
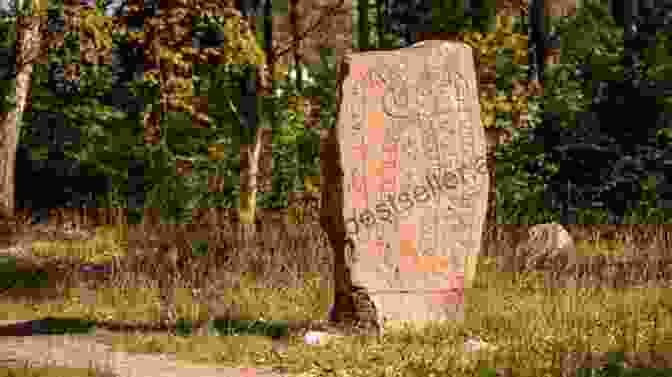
column 175, row 91
column 602, row 161
column 537, row 40
column 253, row 136
column 293, row 4
column 266, row 158
column 318, row 24
column 363, row 11
column 27, row 49
column 252, row 151
column 251, row 130
column 169, row 41
column 543, row 40
column 381, row 27
column 415, row 20
column 96, row 41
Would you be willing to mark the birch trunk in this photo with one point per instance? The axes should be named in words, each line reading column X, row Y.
column 27, row 49
column 249, row 172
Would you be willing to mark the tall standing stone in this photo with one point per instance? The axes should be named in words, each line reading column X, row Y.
column 405, row 185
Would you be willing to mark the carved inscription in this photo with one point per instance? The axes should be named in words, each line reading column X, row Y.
column 415, row 176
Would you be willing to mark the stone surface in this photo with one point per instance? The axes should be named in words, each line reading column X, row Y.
column 405, row 185
column 546, row 247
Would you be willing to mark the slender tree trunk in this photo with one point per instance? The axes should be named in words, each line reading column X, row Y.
column 293, row 19
column 363, row 14
column 251, row 164
column 249, row 171
column 380, row 23
column 27, row 48
column 266, row 162
column 152, row 119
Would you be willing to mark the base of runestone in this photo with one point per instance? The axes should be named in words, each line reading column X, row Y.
column 355, row 313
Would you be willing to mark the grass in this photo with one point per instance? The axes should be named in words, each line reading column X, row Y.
column 538, row 330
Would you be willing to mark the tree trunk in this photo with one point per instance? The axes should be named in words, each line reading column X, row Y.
column 293, row 4
column 380, row 23
column 363, row 21
column 27, row 48
column 152, row 120
column 266, row 161
column 249, row 171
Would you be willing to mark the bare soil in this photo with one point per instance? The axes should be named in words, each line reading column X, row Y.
column 17, row 346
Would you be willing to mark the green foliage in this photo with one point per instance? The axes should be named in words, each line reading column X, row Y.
column 391, row 40
column 176, row 196
column 12, row 276
column 325, row 88
column 295, row 149
column 7, row 86
column 519, row 195
column 591, row 29
column 448, row 15
column 111, row 139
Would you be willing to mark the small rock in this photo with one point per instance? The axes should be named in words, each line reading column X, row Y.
column 477, row 345
column 319, row 337
column 547, row 246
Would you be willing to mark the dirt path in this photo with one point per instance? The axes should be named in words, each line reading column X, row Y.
column 81, row 351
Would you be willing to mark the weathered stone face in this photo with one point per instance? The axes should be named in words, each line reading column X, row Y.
column 405, row 184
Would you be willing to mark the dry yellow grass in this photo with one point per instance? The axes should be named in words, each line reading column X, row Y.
column 539, row 331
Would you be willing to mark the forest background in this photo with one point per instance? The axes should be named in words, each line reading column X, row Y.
column 105, row 113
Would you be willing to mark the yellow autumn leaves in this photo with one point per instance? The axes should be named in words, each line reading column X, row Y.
column 99, row 27
column 297, row 213
column 216, row 152
column 40, row 7
column 487, row 45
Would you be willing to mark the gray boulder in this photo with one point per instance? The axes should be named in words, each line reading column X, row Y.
column 548, row 248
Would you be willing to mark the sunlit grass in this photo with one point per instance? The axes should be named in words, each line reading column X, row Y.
column 534, row 328
column 104, row 248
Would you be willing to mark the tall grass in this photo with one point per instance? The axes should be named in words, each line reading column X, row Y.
column 180, row 278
